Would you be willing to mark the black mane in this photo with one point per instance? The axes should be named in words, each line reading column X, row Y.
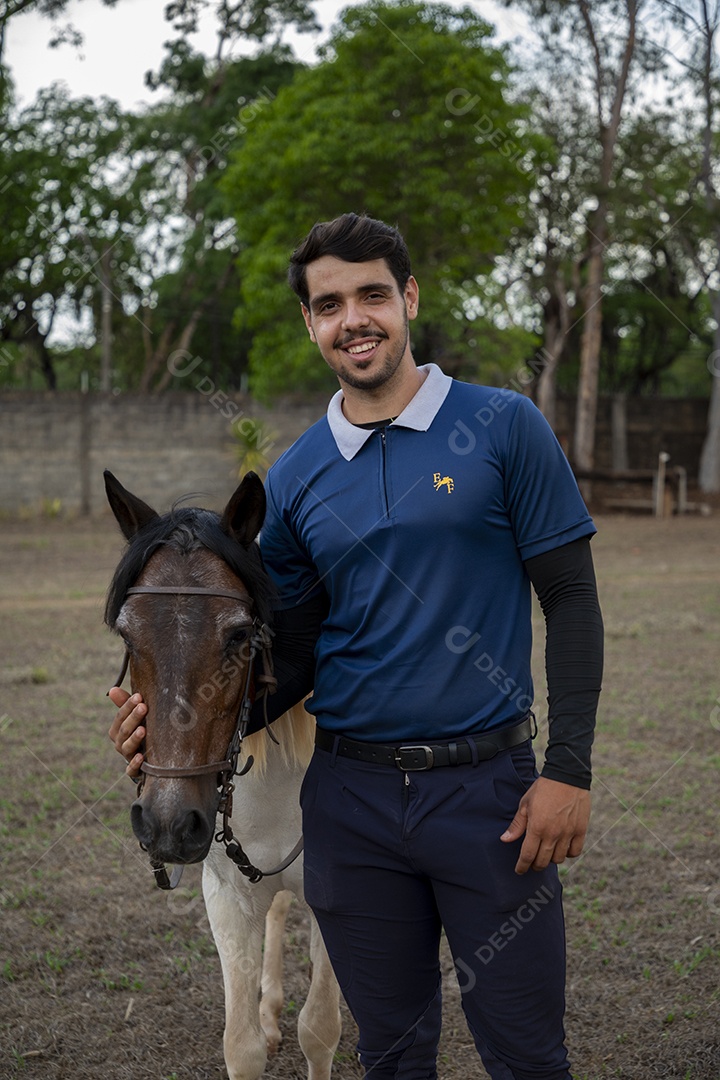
column 187, row 529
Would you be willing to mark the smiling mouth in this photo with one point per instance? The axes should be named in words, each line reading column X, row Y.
column 360, row 349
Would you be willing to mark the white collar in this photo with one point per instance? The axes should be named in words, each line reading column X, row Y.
column 418, row 414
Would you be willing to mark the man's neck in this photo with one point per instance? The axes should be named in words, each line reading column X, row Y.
column 370, row 406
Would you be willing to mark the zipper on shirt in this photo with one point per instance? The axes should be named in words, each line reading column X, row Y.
column 383, row 452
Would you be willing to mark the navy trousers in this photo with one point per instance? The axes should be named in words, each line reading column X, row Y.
column 391, row 859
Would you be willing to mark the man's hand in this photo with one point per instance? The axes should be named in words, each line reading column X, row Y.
column 554, row 818
column 127, row 731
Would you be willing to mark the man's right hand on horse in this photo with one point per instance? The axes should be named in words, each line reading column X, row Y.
column 127, row 730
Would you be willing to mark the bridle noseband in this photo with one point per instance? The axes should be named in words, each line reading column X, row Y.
column 260, row 642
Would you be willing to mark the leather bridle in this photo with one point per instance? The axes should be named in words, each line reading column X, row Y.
column 260, row 642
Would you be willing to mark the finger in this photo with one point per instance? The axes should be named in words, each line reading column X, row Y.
column 576, row 846
column 528, row 854
column 133, row 765
column 125, row 704
column 133, row 743
column 546, row 852
column 560, row 853
column 517, row 826
column 127, row 721
column 117, row 695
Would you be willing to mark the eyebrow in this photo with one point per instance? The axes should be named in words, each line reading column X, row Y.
column 372, row 286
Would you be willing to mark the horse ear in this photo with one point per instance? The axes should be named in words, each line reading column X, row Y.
column 130, row 512
column 245, row 512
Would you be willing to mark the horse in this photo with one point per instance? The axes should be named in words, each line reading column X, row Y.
column 187, row 598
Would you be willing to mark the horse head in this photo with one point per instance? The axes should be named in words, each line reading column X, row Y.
column 185, row 599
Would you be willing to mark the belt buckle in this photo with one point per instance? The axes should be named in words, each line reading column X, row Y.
column 429, row 758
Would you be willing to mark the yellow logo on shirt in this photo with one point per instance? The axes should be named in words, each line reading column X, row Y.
column 443, row 481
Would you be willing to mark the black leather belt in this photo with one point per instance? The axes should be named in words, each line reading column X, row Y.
column 419, row 757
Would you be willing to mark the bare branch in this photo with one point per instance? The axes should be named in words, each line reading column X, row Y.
column 599, row 71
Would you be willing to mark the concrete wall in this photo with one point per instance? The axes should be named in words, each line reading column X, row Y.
column 55, row 446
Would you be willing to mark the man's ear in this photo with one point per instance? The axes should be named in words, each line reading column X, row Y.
column 412, row 297
column 308, row 323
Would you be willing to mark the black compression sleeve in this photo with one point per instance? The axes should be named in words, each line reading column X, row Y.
column 564, row 580
column 296, row 632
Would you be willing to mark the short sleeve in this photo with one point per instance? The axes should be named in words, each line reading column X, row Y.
column 544, row 504
column 285, row 559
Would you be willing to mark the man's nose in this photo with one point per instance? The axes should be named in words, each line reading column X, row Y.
column 354, row 316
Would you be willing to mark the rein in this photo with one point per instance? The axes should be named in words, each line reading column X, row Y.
column 260, row 642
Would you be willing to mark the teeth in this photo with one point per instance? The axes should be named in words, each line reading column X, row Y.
column 354, row 349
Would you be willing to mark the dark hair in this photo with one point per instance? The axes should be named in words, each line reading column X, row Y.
column 190, row 528
column 354, row 238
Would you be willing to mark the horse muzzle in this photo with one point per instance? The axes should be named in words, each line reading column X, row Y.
column 180, row 836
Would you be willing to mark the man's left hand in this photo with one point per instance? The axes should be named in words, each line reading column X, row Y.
column 554, row 818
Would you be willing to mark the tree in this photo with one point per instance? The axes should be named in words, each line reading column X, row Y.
column 188, row 247
column 547, row 255
column 614, row 41
column 406, row 118
column 65, row 211
column 653, row 298
column 144, row 216
column 655, row 304
column 700, row 21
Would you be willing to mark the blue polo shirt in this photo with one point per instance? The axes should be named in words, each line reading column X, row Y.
column 418, row 534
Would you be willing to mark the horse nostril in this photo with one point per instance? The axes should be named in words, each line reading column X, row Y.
column 190, row 828
column 172, row 835
column 144, row 824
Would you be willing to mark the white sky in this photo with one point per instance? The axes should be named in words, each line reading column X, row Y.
column 124, row 42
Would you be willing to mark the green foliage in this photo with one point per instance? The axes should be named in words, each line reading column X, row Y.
column 411, row 115
column 182, row 146
column 254, row 440
column 386, row 124
column 65, row 187
column 90, row 191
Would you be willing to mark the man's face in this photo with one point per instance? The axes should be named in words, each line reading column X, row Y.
column 359, row 319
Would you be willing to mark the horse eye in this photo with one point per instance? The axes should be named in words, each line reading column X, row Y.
column 238, row 637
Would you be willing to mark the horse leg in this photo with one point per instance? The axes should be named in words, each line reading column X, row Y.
column 237, row 923
column 271, row 1001
column 319, row 1021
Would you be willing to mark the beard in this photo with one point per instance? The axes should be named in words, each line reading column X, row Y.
column 354, row 376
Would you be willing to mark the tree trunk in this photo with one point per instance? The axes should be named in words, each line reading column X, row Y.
column 105, row 321
column 619, row 433
column 557, row 326
column 36, row 340
column 182, row 345
column 158, row 355
column 584, row 446
column 546, row 388
column 709, row 476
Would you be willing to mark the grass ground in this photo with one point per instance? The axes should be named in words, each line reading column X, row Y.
column 101, row 975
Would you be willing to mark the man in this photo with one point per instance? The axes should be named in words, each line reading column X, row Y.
column 405, row 527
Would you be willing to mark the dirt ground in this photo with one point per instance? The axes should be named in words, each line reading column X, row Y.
column 102, row 975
